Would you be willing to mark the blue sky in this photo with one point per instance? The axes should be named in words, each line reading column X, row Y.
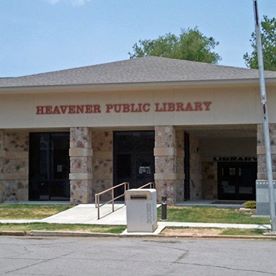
column 45, row 35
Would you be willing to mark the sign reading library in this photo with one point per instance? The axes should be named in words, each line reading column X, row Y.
column 123, row 108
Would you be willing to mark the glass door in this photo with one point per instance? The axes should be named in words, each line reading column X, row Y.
column 49, row 166
column 236, row 181
column 133, row 157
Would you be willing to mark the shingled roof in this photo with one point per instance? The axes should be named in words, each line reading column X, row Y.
column 139, row 70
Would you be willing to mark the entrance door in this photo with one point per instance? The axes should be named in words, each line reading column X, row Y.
column 133, row 157
column 49, row 166
column 237, row 180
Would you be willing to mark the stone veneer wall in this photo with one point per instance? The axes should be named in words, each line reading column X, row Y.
column 209, row 180
column 102, row 144
column 180, row 165
column 80, row 165
column 195, row 169
column 14, row 163
column 165, row 163
column 261, row 152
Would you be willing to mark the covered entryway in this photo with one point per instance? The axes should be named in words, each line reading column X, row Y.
column 133, row 157
column 221, row 162
column 49, row 166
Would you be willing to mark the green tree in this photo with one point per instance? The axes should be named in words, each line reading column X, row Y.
column 268, row 33
column 190, row 44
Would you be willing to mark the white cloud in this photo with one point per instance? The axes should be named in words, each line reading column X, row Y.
column 74, row 3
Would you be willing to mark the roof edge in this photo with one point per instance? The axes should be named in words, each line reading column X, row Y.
column 127, row 86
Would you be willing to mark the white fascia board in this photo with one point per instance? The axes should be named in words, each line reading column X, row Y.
column 131, row 86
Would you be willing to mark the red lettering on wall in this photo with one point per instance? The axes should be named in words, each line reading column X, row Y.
column 198, row 106
column 97, row 108
column 124, row 108
column 146, row 107
column 80, row 109
column 88, row 108
column 189, row 107
column 158, row 107
column 56, row 110
column 180, row 107
column 171, row 107
column 40, row 110
column 207, row 105
column 63, row 108
column 48, row 109
column 108, row 108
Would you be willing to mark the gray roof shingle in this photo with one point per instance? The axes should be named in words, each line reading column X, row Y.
column 139, row 70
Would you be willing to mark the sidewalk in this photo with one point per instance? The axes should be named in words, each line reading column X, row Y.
column 87, row 214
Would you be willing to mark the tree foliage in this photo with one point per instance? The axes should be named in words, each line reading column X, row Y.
column 190, row 44
column 268, row 34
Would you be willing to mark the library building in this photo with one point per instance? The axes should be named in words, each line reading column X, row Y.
column 194, row 129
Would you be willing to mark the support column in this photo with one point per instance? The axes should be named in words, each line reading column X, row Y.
column 262, row 198
column 165, row 163
column 14, row 163
column 102, row 144
column 80, row 165
column 195, row 169
column 180, row 165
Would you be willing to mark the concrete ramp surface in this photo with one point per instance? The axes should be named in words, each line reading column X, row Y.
column 87, row 214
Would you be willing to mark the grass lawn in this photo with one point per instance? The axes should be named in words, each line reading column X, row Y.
column 177, row 231
column 242, row 232
column 30, row 211
column 61, row 227
column 211, row 214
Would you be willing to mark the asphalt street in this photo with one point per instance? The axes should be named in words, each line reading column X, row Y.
column 135, row 256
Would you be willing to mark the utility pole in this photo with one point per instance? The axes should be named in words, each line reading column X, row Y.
column 265, row 118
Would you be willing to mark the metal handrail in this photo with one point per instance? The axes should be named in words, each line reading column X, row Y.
column 150, row 184
column 97, row 196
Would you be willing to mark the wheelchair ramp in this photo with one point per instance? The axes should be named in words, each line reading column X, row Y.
column 87, row 214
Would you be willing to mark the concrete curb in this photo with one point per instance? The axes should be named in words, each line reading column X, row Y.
column 85, row 234
column 38, row 233
column 69, row 234
column 18, row 221
column 238, row 237
column 13, row 233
